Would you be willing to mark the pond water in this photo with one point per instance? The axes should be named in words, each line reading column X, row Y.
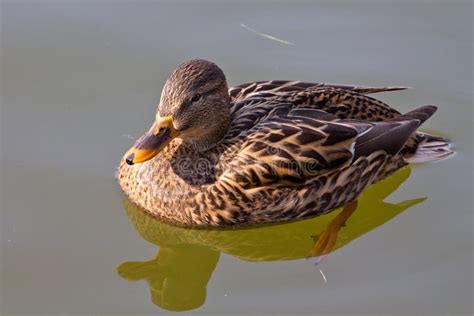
column 80, row 79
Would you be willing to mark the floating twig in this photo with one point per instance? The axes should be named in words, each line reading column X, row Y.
column 128, row 136
column 273, row 38
column 324, row 276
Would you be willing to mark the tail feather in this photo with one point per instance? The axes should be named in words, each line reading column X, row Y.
column 421, row 114
column 431, row 148
column 423, row 147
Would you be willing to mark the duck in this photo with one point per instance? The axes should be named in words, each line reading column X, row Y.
column 267, row 151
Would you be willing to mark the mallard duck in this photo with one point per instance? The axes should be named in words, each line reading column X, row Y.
column 268, row 151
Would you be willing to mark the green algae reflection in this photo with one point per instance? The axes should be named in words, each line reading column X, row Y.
column 186, row 258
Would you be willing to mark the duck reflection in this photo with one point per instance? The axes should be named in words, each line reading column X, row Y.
column 186, row 258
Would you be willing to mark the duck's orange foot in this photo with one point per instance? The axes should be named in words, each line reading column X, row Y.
column 324, row 243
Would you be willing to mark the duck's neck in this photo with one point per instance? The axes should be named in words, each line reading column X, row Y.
column 211, row 138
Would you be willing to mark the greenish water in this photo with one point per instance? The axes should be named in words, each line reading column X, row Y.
column 80, row 78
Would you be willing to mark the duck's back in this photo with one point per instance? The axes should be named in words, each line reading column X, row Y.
column 255, row 101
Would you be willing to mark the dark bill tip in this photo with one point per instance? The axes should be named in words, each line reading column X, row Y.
column 129, row 159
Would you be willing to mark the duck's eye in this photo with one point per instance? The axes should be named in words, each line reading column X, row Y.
column 196, row 97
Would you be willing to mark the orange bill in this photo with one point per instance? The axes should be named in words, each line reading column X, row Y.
column 150, row 144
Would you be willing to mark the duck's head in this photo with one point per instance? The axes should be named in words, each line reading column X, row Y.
column 194, row 106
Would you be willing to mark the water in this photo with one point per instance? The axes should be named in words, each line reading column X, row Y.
column 80, row 78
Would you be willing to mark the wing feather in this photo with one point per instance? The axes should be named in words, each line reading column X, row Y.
column 245, row 90
column 283, row 144
column 290, row 150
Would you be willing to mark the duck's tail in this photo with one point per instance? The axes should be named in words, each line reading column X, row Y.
column 424, row 147
column 430, row 148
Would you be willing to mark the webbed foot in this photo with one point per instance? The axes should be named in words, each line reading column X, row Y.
column 324, row 243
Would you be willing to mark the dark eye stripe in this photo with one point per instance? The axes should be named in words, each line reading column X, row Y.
column 188, row 102
column 201, row 95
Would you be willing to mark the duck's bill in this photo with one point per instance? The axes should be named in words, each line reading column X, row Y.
column 150, row 144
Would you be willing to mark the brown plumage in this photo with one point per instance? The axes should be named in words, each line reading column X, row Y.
column 267, row 151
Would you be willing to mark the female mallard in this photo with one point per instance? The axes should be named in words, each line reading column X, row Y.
column 266, row 151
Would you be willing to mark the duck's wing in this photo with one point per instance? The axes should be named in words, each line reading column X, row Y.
column 292, row 147
column 249, row 89
column 345, row 104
